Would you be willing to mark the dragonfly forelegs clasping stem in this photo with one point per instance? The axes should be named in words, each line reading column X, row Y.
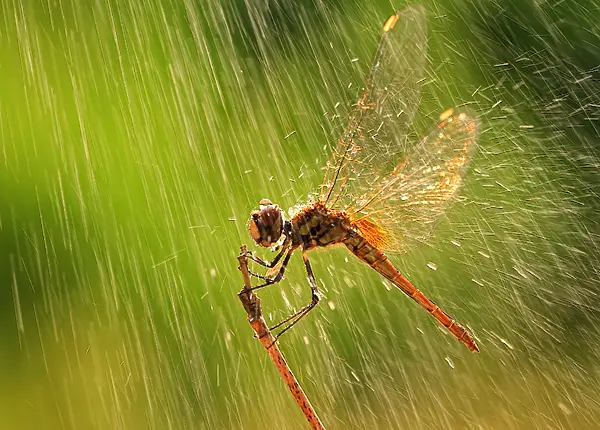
column 315, row 294
column 278, row 277
column 264, row 263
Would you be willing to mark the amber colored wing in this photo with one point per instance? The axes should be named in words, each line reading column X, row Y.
column 401, row 209
column 380, row 120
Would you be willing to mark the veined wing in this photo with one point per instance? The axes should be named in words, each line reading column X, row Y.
column 401, row 210
column 380, row 120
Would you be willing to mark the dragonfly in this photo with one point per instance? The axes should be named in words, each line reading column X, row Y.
column 380, row 195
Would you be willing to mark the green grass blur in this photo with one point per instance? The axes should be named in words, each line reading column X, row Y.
column 137, row 136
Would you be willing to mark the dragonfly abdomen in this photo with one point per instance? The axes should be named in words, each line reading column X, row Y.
column 375, row 258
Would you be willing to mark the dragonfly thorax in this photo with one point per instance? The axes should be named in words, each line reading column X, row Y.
column 266, row 224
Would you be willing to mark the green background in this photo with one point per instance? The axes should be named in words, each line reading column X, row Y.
column 137, row 136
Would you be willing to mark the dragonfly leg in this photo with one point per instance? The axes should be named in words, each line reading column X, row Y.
column 306, row 309
column 267, row 264
column 274, row 280
column 264, row 263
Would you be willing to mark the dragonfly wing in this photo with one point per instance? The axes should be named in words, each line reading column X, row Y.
column 406, row 203
column 381, row 118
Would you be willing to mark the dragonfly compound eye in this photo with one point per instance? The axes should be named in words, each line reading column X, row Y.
column 266, row 225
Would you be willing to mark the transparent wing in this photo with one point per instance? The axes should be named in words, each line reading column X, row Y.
column 401, row 208
column 381, row 118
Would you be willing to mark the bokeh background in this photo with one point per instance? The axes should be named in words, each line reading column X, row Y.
column 136, row 137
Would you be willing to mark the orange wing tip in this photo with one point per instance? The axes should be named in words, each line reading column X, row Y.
column 390, row 23
column 446, row 114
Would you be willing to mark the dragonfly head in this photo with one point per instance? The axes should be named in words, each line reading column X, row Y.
column 266, row 224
